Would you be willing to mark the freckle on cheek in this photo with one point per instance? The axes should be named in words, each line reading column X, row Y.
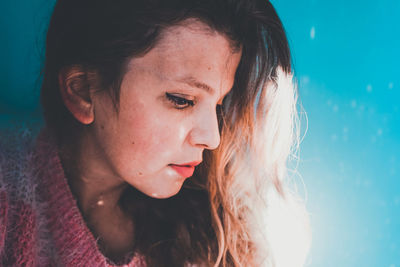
column 140, row 173
column 102, row 127
column 133, row 143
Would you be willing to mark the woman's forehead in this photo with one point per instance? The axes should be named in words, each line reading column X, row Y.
column 192, row 56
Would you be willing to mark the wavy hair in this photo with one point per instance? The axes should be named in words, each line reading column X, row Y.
column 226, row 214
column 251, row 205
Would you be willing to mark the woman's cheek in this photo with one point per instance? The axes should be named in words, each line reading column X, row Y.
column 160, row 140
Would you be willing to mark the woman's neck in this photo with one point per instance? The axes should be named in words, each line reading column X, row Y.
column 98, row 192
column 89, row 175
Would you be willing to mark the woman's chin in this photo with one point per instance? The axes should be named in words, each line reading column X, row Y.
column 166, row 192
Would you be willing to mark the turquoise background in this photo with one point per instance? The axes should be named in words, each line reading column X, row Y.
column 346, row 58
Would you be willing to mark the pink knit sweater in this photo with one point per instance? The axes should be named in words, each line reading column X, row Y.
column 40, row 222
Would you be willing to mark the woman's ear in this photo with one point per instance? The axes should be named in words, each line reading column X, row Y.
column 76, row 94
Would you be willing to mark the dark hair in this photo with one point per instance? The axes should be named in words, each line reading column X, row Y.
column 101, row 36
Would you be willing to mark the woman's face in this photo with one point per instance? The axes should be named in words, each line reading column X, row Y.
column 167, row 111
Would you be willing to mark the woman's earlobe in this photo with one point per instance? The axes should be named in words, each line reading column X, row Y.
column 75, row 93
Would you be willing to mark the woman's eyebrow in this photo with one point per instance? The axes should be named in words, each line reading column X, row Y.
column 191, row 81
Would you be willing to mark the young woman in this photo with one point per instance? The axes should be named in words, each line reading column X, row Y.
column 168, row 127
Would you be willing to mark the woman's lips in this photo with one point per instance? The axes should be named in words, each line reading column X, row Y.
column 185, row 171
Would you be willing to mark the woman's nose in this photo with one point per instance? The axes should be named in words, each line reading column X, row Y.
column 205, row 132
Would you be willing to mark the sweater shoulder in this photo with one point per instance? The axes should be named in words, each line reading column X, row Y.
column 16, row 154
column 17, row 190
column 16, row 168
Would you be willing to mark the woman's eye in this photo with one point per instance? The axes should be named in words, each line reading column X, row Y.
column 179, row 102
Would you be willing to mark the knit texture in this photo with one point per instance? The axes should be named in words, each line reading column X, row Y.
column 40, row 222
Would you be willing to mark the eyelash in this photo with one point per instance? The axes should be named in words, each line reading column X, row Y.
column 177, row 101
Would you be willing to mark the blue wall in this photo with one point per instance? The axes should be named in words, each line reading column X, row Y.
column 22, row 27
column 346, row 58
